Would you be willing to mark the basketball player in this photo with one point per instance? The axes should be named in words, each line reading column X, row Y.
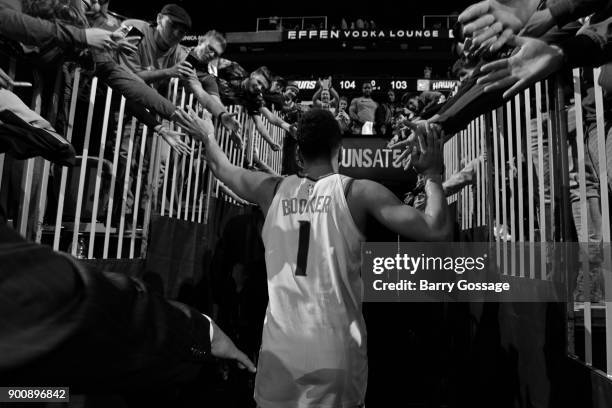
column 313, row 351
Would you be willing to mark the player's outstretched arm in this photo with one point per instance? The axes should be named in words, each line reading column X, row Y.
column 253, row 186
column 433, row 224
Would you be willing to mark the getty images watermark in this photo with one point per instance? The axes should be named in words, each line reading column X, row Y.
column 486, row 272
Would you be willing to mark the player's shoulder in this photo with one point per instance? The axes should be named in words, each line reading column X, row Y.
column 365, row 190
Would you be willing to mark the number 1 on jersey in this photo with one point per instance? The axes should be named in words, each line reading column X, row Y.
column 303, row 243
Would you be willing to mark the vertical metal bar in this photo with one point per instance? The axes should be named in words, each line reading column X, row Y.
column 173, row 94
column 64, row 176
column 504, row 164
column 190, row 167
column 519, row 166
column 136, row 208
column 470, row 189
column 126, row 188
column 28, row 174
column 177, row 160
column 496, row 174
column 583, row 231
column 605, row 215
column 552, row 162
column 79, row 203
column 484, row 177
column 197, row 190
column 530, row 192
column 603, row 168
column 541, row 179
column 462, row 192
column 520, row 182
column 94, row 212
column 512, row 162
column 529, row 137
column 42, row 200
column 111, row 194
column 152, row 188
column 490, row 176
column 477, row 172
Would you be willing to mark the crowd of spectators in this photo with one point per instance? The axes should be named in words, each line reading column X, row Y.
column 503, row 47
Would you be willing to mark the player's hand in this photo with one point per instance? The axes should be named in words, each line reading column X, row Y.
column 173, row 138
column 199, row 127
column 532, row 60
column 223, row 347
column 101, row 39
column 427, row 156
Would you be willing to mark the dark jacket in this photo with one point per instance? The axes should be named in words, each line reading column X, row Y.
column 63, row 322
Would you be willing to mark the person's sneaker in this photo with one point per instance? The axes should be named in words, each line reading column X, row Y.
column 24, row 141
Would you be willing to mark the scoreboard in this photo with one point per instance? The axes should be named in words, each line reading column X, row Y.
column 351, row 86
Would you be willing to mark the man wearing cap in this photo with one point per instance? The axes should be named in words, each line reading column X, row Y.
column 160, row 56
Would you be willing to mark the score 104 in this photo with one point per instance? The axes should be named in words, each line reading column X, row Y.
column 351, row 84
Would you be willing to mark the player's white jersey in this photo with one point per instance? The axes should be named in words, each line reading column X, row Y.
column 313, row 350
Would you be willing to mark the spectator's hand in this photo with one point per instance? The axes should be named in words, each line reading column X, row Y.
column 101, row 39
column 487, row 19
column 223, row 347
column 5, row 80
column 128, row 45
column 409, row 140
column 173, row 138
column 180, row 117
column 325, row 83
column 428, row 157
column 275, row 147
column 293, row 131
column 229, row 121
column 199, row 127
column 531, row 61
column 183, row 70
column 393, row 141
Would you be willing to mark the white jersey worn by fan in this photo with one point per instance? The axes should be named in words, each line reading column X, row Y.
column 313, row 351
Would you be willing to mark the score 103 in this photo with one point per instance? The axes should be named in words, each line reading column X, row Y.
column 351, row 84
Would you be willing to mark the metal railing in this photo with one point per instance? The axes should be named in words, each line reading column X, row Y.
column 90, row 215
column 534, row 183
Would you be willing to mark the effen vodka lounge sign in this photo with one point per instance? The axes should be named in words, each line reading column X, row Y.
column 400, row 34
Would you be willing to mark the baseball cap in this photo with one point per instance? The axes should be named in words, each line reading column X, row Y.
column 177, row 14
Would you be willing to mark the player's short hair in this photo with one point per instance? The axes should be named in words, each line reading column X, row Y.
column 318, row 134
column 215, row 35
